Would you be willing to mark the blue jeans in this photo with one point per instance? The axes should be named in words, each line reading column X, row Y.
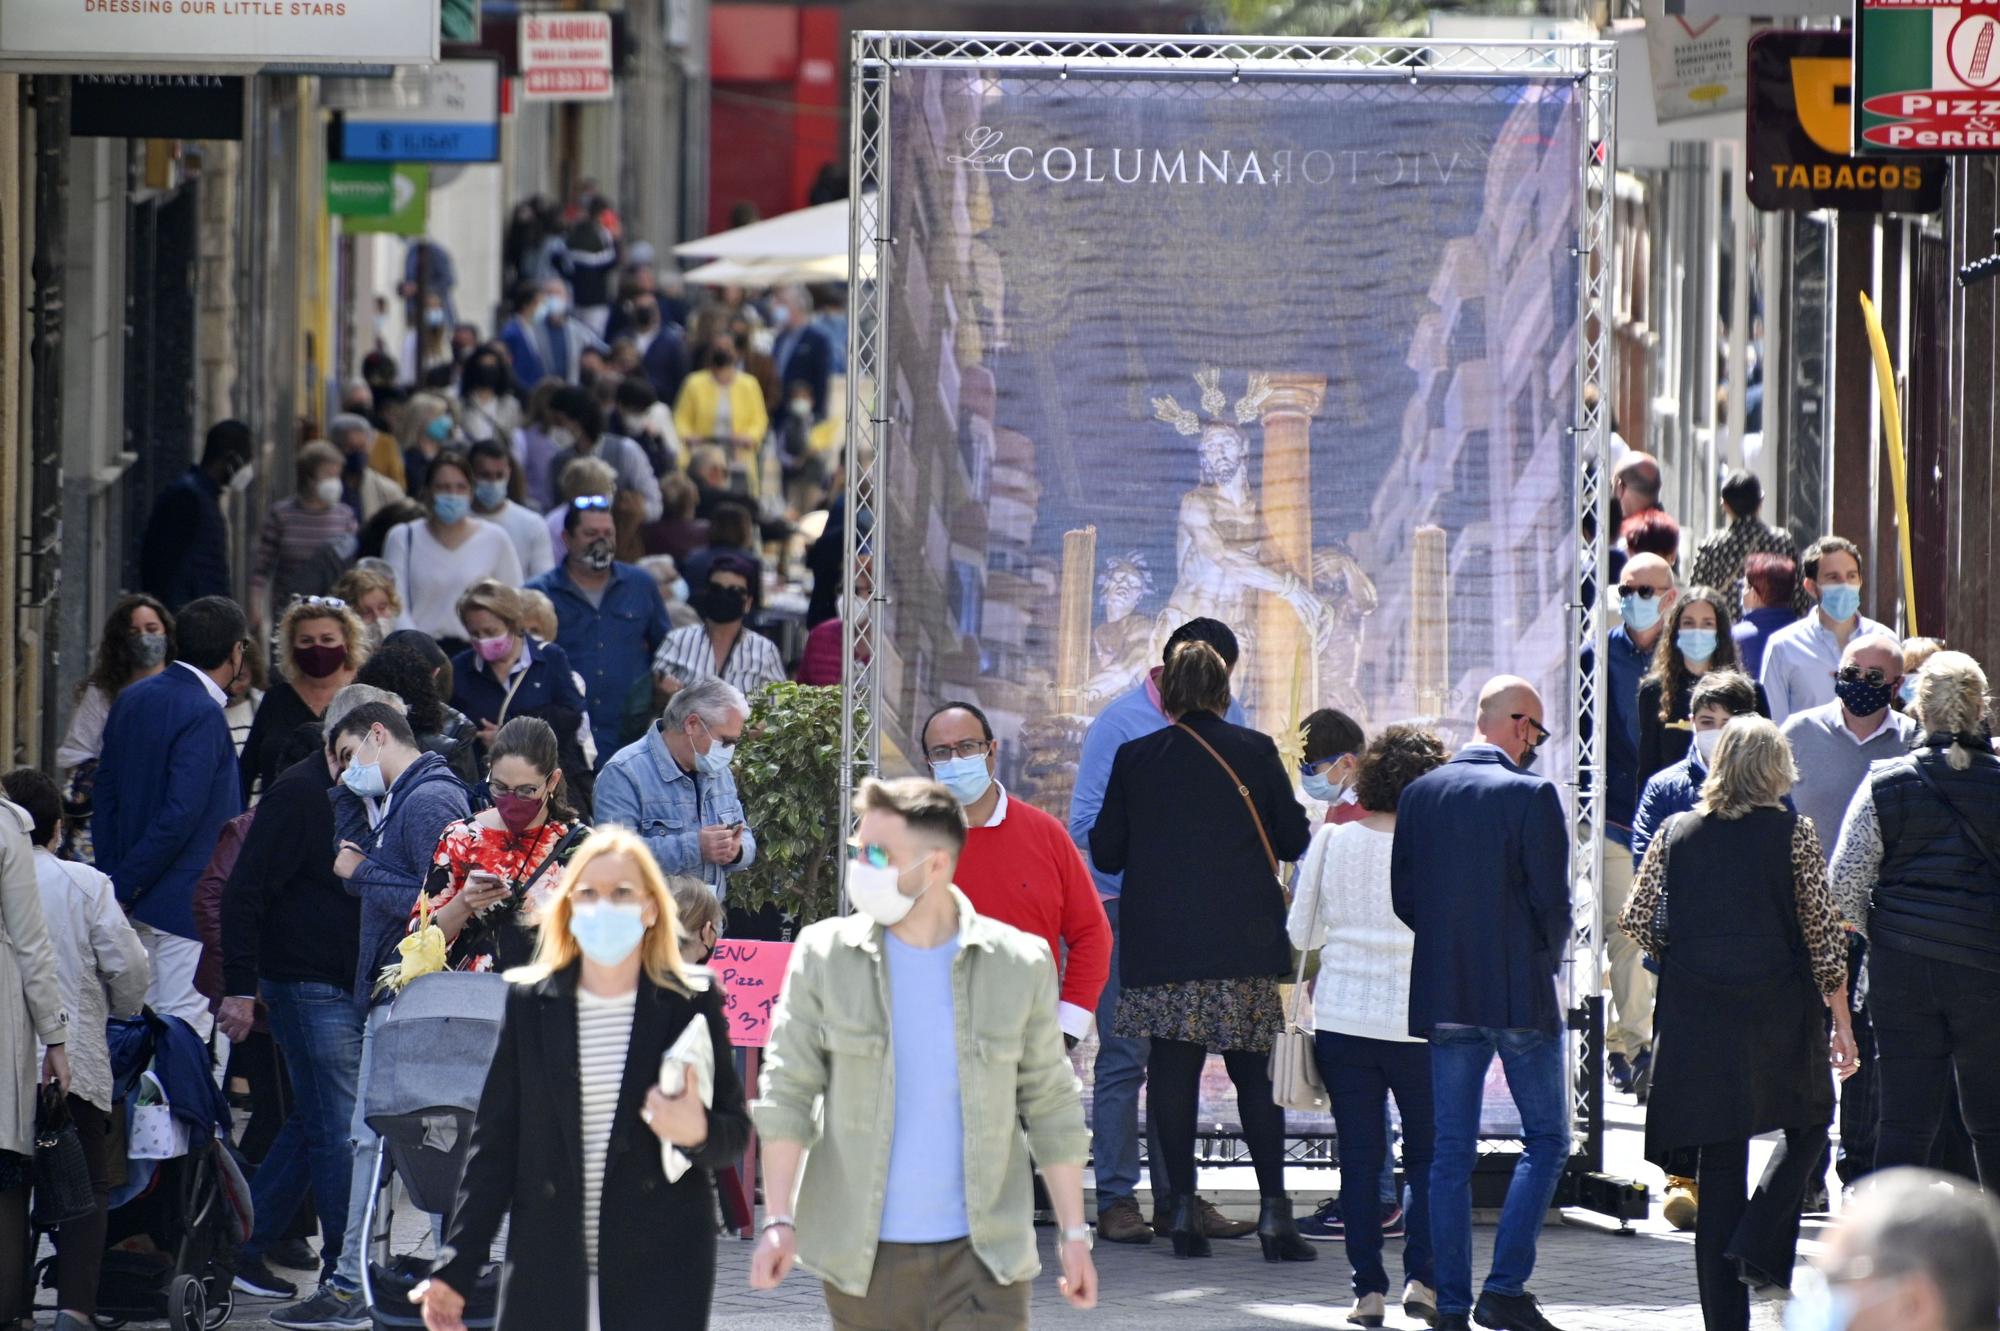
column 354, row 1248
column 1360, row 1074
column 1533, row 1061
column 1114, row 1114
column 319, row 1034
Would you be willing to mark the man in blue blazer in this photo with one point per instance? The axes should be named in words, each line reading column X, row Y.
column 166, row 784
column 1480, row 873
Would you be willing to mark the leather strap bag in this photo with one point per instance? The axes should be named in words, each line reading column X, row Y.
column 1295, row 1079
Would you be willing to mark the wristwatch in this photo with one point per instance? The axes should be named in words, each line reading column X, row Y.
column 1083, row 1234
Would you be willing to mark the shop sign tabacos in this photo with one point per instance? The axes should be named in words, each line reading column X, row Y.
column 1927, row 77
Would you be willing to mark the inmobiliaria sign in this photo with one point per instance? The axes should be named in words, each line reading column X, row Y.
column 566, row 57
column 1927, row 77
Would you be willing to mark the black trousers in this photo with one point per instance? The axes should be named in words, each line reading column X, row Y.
column 1173, row 1092
column 1738, row 1235
column 80, row 1243
column 1934, row 1019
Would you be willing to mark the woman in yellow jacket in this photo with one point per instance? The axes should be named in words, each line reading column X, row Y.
column 726, row 405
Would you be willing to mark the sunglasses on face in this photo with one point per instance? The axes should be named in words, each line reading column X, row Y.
column 1643, row 593
column 1856, row 675
column 1542, row 732
column 1323, row 764
column 868, row 853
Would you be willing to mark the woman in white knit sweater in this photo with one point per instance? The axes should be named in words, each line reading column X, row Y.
column 1361, row 1001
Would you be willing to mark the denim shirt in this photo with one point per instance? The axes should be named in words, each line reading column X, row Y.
column 611, row 644
column 643, row 788
column 828, row 1085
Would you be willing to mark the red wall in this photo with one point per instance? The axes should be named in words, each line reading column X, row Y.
column 777, row 111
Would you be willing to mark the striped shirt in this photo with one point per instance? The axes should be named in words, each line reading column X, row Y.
column 293, row 535
column 603, row 1034
column 688, row 656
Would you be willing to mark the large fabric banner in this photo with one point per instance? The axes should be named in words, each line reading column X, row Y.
column 1296, row 352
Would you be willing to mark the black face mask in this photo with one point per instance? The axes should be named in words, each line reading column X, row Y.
column 1862, row 698
column 1528, row 757
column 723, row 605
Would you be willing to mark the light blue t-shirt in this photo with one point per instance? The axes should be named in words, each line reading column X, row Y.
column 925, row 1199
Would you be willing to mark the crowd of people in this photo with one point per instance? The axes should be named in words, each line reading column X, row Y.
column 498, row 655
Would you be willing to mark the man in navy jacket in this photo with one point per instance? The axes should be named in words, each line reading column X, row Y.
column 185, row 551
column 1480, row 873
column 165, row 788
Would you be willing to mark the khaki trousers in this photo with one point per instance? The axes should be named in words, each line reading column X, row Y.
column 1628, row 1020
column 931, row 1287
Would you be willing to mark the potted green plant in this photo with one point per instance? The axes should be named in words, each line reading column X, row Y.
column 788, row 772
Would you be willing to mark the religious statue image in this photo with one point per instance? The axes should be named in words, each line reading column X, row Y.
column 1120, row 644
column 1349, row 595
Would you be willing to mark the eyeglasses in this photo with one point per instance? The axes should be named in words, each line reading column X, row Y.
column 1542, row 732
column 1321, row 765
column 1642, row 592
column 1856, row 675
column 321, row 602
column 584, row 503
column 533, row 792
column 868, row 853
column 965, row 748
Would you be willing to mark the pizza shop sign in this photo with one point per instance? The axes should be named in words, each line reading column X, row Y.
column 1927, row 77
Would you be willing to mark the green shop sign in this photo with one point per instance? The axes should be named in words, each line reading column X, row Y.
column 379, row 196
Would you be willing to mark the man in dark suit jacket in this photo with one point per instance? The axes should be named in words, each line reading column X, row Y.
column 1480, row 873
column 185, row 551
column 165, row 786
column 804, row 353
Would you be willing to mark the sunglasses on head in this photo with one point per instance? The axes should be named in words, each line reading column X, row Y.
column 584, row 503
column 321, row 602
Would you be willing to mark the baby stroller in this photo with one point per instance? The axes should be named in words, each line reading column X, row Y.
column 426, row 1068
column 176, row 1223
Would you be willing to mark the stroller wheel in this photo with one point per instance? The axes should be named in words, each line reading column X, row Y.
column 222, row 1304
column 187, row 1304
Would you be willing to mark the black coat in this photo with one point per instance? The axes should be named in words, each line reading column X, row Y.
column 656, row 1240
column 1199, row 900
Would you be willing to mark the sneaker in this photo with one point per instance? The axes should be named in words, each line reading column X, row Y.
column 293, row 1255
column 1393, row 1226
column 261, row 1282
column 1816, row 1201
column 1683, row 1203
column 1642, row 1075
column 1510, row 1312
column 329, row 1309
column 1119, row 1221
column 1453, row 1322
column 1421, row 1302
column 1620, row 1072
column 1369, row 1310
column 1323, row 1223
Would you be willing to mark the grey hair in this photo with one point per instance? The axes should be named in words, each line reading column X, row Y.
column 1951, row 700
column 1753, row 768
column 351, row 697
column 654, row 564
column 711, row 699
column 347, row 423
column 1914, row 1221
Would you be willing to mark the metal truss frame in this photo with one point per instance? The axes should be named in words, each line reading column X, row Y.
column 1592, row 66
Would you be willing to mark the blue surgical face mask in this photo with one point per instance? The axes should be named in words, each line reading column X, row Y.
column 1907, row 690
column 680, row 590
column 1640, row 613
column 607, row 931
column 490, row 494
column 451, row 508
column 1841, row 602
column 716, row 761
column 1318, row 787
column 364, row 779
column 966, row 778
column 1697, row 645
column 439, row 429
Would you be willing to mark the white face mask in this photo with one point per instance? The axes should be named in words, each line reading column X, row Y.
column 1704, row 744
column 328, row 490
column 877, row 893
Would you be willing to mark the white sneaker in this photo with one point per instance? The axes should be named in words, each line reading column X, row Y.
column 1369, row 1310
column 1421, row 1302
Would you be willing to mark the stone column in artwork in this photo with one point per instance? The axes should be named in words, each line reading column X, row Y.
column 1073, row 616
column 1286, row 664
column 1430, row 621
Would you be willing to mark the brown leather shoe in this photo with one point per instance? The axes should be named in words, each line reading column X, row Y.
column 1119, row 1221
column 1213, row 1223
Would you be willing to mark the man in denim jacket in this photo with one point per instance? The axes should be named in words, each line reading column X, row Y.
column 673, row 786
column 914, row 1209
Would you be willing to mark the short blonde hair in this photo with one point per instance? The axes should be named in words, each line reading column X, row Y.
column 586, row 476
column 497, row 599
column 1951, row 700
column 357, row 584
column 538, row 614
column 1752, row 769
column 659, row 950
column 300, row 612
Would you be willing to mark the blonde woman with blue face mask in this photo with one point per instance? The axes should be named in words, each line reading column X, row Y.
column 617, row 1247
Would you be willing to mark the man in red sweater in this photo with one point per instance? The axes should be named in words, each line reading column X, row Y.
column 1019, row 866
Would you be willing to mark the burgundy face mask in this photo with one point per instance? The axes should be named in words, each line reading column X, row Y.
column 320, row 661
column 518, row 811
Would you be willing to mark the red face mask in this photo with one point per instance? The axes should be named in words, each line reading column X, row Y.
column 518, row 811
column 320, row 661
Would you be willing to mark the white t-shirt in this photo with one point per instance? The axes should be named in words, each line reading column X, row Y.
column 530, row 534
column 431, row 577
